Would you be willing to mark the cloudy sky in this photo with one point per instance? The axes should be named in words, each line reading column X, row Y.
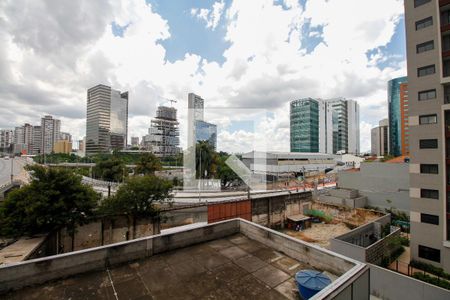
column 236, row 54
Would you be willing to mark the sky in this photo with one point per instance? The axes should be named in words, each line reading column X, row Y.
column 236, row 54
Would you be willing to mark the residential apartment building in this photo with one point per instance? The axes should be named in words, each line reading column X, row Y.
column 50, row 131
column 398, row 116
column 325, row 126
column 107, row 119
column 23, row 139
column 428, row 52
column 6, row 139
column 37, row 139
column 163, row 135
column 380, row 139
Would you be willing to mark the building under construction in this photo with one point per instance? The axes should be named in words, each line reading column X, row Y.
column 163, row 135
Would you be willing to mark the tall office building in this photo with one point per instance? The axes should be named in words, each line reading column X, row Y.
column 428, row 52
column 107, row 119
column 380, row 138
column 304, row 124
column 325, row 126
column 163, row 135
column 50, row 131
column 19, row 140
column 345, row 115
column 6, row 139
column 199, row 129
column 398, row 116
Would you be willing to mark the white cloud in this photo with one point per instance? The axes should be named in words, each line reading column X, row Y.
column 46, row 65
column 210, row 16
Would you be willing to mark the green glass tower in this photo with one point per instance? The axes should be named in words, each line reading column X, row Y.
column 395, row 119
column 304, row 117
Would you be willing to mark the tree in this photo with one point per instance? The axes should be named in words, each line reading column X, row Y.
column 138, row 196
column 55, row 198
column 112, row 169
column 206, row 160
column 225, row 173
column 148, row 164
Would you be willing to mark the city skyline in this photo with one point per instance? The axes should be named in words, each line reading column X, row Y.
column 233, row 73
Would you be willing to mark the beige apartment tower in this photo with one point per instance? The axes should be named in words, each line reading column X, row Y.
column 428, row 52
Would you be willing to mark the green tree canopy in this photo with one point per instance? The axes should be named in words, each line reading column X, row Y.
column 148, row 164
column 226, row 175
column 138, row 196
column 111, row 169
column 54, row 198
column 206, row 160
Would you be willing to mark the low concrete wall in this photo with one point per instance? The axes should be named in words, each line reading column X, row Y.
column 380, row 182
column 273, row 210
column 353, row 276
column 358, row 244
column 40, row 270
column 389, row 285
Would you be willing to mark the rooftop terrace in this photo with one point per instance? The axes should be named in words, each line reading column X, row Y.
column 233, row 259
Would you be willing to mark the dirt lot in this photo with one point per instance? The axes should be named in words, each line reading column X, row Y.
column 319, row 234
column 343, row 220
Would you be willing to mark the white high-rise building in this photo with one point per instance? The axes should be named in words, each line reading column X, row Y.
column 50, row 131
column 6, row 139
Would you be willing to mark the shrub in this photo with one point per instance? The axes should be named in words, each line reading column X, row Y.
column 433, row 280
column 430, row 269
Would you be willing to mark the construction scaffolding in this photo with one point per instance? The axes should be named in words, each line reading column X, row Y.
column 163, row 137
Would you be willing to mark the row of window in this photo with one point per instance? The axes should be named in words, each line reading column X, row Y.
column 424, row 251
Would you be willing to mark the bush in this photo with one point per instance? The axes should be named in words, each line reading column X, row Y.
column 319, row 214
column 404, row 241
column 430, row 269
column 433, row 280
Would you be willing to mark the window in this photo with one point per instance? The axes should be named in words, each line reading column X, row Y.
column 430, row 219
column 428, row 119
column 420, row 2
column 427, row 46
column 430, row 253
column 445, row 17
column 431, row 194
column 428, row 144
column 429, row 169
column 427, row 95
column 424, row 23
column 427, row 70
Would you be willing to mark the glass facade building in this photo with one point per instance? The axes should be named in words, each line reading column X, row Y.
column 395, row 115
column 107, row 119
column 304, row 125
column 205, row 131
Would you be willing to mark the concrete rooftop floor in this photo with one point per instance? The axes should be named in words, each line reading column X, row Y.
column 229, row 268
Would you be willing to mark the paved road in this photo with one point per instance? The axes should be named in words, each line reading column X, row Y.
column 5, row 169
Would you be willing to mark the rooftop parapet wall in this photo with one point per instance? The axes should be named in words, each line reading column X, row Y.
column 38, row 271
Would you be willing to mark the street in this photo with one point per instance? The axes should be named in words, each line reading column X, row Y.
column 5, row 169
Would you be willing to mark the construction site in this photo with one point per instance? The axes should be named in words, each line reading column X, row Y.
column 329, row 216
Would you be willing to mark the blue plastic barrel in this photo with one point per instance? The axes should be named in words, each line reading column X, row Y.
column 310, row 282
